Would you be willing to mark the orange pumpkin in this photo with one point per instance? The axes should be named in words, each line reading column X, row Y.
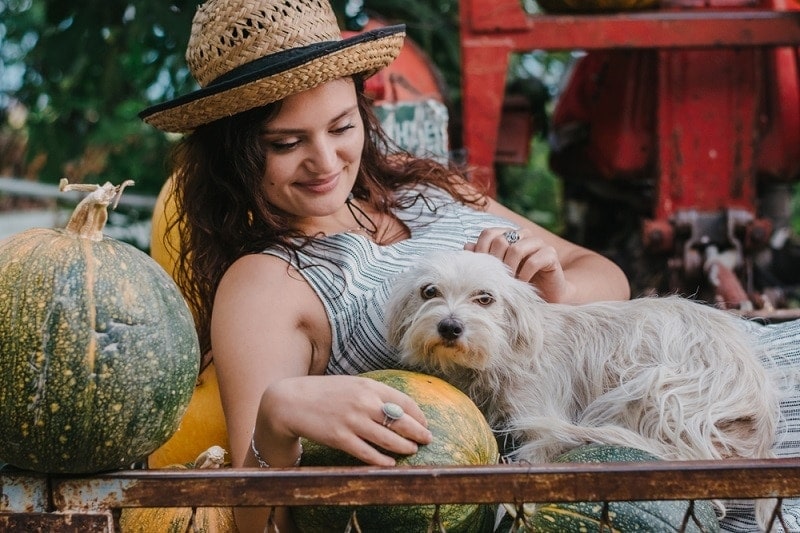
column 203, row 424
column 164, row 244
column 182, row 519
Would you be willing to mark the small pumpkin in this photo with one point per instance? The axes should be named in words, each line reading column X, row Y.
column 182, row 519
column 579, row 517
column 98, row 351
column 461, row 436
column 203, row 424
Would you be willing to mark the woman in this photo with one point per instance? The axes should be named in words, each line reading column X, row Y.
column 296, row 221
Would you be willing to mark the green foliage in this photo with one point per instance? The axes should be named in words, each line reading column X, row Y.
column 796, row 211
column 85, row 71
column 532, row 190
column 432, row 24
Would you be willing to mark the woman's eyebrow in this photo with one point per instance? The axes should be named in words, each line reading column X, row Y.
column 289, row 131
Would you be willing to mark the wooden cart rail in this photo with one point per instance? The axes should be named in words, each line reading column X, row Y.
column 41, row 502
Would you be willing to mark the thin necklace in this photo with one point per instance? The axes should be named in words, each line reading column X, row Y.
column 360, row 216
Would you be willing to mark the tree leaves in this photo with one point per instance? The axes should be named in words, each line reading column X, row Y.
column 92, row 68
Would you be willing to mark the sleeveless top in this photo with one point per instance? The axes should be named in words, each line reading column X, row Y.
column 352, row 275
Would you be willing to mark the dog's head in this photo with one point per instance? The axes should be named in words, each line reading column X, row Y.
column 461, row 309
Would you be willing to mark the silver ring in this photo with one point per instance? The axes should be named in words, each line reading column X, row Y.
column 511, row 236
column 391, row 412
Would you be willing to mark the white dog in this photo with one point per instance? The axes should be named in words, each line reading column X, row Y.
column 674, row 377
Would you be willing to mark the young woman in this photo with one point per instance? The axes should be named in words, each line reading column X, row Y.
column 295, row 218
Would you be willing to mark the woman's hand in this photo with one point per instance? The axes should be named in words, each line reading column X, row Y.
column 344, row 412
column 529, row 257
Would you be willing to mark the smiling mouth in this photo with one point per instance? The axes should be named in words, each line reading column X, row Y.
column 320, row 186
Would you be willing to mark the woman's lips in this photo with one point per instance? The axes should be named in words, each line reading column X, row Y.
column 320, row 186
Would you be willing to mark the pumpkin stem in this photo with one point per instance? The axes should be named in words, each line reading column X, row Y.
column 91, row 214
column 214, row 457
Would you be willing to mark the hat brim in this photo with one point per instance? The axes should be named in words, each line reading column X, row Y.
column 366, row 52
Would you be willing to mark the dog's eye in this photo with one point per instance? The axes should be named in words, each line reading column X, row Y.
column 484, row 298
column 429, row 291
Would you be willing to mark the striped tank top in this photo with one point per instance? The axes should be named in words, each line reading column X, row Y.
column 353, row 276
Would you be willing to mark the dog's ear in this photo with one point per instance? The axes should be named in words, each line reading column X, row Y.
column 403, row 291
column 524, row 317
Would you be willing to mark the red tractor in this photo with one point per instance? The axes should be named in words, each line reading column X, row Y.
column 677, row 136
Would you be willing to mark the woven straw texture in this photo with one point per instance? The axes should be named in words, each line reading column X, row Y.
column 226, row 34
column 230, row 34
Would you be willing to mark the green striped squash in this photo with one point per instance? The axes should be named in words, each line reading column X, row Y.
column 625, row 516
column 98, row 351
column 461, row 436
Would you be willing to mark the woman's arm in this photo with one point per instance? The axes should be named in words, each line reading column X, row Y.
column 562, row 271
column 271, row 343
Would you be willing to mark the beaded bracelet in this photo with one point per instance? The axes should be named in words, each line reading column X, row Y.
column 261, row 462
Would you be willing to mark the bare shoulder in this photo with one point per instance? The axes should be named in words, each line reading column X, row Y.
column 266, row 282
column 263, row 299
column 259, row 276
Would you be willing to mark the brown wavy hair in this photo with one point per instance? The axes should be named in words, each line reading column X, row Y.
column 224, row 213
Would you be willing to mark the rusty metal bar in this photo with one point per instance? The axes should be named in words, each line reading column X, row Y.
column 424, row 485
column 58, row 522
column 23, row 493
column 662, row 29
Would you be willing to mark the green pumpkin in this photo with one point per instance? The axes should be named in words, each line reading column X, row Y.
column 98, row 351
column 461, row 436
column 651, row 516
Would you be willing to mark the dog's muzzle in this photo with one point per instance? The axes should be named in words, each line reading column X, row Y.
column 450, row 328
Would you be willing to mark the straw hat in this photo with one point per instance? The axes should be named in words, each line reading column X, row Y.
column 248, row 53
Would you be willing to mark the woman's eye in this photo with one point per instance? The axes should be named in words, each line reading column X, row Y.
column 484, row 299
column 343, row 129
column 429, row 291
column 283, row 145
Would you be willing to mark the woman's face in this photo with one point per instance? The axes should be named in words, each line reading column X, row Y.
column 313, row 151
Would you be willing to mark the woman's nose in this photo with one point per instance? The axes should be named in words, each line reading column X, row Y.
column 323, row 157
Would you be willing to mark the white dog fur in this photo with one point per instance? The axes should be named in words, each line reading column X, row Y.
column 668, row 375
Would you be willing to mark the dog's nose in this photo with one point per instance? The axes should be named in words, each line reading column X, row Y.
column 450, row 328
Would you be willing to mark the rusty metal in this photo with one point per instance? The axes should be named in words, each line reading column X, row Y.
column 505, row 22
column 91, row 501
column 420, row 485
column 516, row 131
column 58, row 522
column 491, row 31
column 24, row 494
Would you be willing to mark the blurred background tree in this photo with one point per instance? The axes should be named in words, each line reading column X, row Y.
column 75, row 76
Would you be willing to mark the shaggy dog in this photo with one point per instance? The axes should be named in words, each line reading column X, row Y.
column 667, row 375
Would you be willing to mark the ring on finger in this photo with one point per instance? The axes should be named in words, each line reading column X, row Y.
column 511, row 236
column 391, row 412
